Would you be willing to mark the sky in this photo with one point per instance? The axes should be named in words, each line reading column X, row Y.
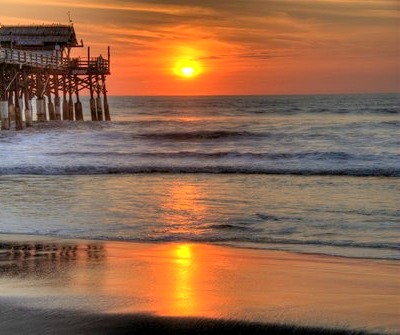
column 238, row 46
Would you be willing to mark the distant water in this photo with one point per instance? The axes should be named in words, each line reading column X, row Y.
column 313, row 174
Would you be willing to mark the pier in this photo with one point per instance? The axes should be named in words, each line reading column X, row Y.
column 36, row 64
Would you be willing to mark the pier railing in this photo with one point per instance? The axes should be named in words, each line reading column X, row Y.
column 93, row 65
column 22, row 57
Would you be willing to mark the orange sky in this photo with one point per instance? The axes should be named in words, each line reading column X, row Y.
column 243, row 46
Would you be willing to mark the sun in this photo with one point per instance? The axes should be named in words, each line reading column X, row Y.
column 187, row 68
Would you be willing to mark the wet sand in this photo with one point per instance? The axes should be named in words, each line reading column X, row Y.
column 49, row 284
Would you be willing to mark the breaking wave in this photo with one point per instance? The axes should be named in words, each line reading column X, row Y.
column 341, row 156
column 212, row 169
column 194, row 135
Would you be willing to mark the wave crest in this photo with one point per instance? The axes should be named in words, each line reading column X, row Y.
column 197, row 135
column 213, row 169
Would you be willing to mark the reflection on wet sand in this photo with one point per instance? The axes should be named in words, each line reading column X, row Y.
column 199, row 280
column 38, row 260
column 185, row 300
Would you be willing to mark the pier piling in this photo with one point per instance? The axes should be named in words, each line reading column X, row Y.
column 50, row 106
column 5, row 122
column 70, row 108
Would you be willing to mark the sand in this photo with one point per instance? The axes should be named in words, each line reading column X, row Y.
column 49, row 284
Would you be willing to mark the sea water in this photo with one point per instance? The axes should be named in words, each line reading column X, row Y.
column 315, row 174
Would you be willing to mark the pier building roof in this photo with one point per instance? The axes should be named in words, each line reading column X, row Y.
column 40, row 37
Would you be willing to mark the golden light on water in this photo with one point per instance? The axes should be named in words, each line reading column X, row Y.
column 184, row 253
column 183, row 207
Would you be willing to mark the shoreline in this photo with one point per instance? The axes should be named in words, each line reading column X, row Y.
column 66, row 322
column 191, row 284
column 13, row 237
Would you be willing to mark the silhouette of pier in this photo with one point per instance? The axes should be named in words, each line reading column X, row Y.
column 36, row 64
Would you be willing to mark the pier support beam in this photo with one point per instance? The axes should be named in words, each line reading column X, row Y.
column 57, row 102
column 50, row 105
column 99, row 109
column 18, row 115
column 19, row 107
column 105, row 100
column 41, row 110
column 78, row 104
column 40, row 102
column 78, row 111
column 52, row 113
column 57, row 107
column 65, row 108
column 65, row 103
column 93, row 109
column 99, row 105
column 70, row 108
column 92, row 100
column 5, row 121
column 11, row 107
column 28, row 102
column 28, row 112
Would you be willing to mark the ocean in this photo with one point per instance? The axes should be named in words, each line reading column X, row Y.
column 309, row 174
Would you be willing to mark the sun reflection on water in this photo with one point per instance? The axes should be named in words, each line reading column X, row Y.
column 183, row 207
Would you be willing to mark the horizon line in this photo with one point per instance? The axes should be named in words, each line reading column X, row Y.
column 245, row 95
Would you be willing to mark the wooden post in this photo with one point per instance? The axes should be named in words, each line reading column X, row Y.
column 18, row 111
column 57, row 106
column 5, row 122
column 28, row 102
column 65, row 108
column 65, row 103
column 70, row 108
column 44, row 108
column 28, row 109
column 40, row 106
column 50, row 105
column 78, row 104
column 70, row 101
column 92, row 100
column 11, row 107
column 40, row 111
column 99, row 106
column 21, row 108
column 105, row 100
column 52, row 112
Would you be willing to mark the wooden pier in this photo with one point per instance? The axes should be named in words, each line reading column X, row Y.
column 36, row 63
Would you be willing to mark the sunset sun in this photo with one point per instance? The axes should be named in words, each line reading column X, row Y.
column 187, row 68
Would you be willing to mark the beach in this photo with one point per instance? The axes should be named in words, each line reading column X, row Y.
column 50, row 283
column 199, row 167
column 257, row 214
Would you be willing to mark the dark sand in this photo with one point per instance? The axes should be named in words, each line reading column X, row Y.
column 28, row 321
column 72, row 286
